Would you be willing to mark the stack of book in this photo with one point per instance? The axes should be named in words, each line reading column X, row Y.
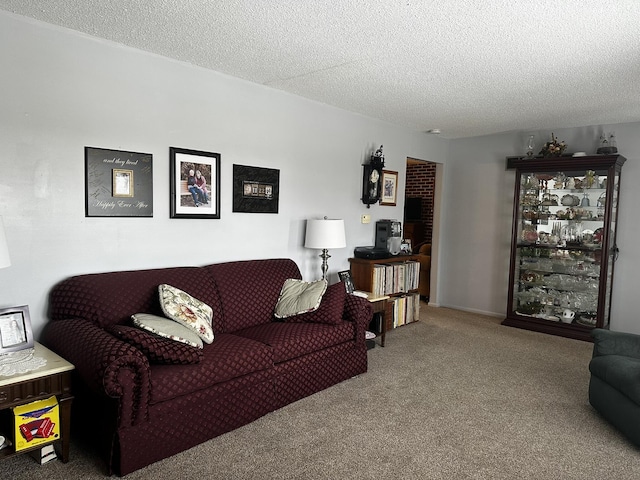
column 395, row 277
column 406, row 309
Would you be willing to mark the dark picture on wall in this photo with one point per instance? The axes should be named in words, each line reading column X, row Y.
column 194, row 183
column 118, row 183
column 255, row 189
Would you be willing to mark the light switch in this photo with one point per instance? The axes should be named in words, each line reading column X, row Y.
column 365, row 218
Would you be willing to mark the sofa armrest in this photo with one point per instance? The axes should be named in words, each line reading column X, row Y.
column 606, row 342
column 359, row 311
column 106, row 365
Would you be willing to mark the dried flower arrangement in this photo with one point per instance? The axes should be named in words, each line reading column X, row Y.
column 554, row 148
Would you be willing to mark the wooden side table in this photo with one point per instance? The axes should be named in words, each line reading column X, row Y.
column 52, row 379
column 380, row 305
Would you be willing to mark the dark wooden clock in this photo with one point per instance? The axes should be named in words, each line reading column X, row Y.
column 372, row 178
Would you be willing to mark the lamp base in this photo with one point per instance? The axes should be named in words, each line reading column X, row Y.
column 324, row 256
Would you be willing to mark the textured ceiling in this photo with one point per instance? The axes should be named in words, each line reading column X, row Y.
column 467, row 67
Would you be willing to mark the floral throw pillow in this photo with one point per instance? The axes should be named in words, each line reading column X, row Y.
column 186, row 310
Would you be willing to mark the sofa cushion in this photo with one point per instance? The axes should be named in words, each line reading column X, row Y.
column 187, row 310
column 297, row 297
column 622, row 373
column 157, row 349
column 250, row 289
column 111, row 298
column 292, row 340
column 330, row 309
column 166, row 328
column 228, row 357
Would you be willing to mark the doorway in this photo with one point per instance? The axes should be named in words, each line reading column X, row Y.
column 421, row 219
column 418, row 201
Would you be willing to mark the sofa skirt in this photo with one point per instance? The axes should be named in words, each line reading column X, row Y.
column 304, row 376
column 185, row 422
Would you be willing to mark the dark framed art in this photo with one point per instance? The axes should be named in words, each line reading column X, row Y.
column 389, row 188
column 255, row 189
column 15, row 329
column 118, row 183
column 194, row 183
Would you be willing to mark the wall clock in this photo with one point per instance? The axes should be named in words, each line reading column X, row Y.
column 372, row 178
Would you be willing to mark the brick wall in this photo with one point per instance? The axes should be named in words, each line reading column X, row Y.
column 421, row 180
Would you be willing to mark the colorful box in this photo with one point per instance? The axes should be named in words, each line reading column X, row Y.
column 36, row 423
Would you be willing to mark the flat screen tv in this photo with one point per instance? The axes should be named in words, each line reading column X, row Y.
column 413, row 209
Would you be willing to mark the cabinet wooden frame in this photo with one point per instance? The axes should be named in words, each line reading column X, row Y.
column 602, row 255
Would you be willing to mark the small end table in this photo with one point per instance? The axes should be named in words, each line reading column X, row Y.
column 380, row 305
column 52, row 379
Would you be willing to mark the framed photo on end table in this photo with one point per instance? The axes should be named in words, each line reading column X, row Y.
column 345, row 277
column 15, row 329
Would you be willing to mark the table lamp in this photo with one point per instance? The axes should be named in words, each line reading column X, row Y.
column 5, row 261
column 323, row 235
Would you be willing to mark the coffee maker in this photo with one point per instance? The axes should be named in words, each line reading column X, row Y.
column 389, row 236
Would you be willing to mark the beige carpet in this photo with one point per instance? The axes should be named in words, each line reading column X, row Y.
column 454, row 396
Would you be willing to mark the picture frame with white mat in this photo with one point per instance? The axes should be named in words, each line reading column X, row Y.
column 16, row 342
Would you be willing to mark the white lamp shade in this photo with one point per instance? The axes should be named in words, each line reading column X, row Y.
column 325, row 234
column 5, row 261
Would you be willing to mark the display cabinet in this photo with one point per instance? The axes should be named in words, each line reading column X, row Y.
column 563, row 245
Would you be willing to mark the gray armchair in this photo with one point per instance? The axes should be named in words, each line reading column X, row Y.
column 614, row 389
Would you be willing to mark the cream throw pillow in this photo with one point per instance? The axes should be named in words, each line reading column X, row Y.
column 186, row 310
column 298, row 297
column 166, row 328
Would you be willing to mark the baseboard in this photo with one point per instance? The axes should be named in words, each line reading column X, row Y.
column 472, row 310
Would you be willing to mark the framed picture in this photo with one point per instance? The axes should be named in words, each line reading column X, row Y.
column 194, row 183
column 15, row 329
column 345, row 277
column 389, row 188
column 405, row 246
column 118, row 183
column 255, row 189
column 122, row 183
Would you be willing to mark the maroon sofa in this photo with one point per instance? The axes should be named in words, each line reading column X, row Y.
column 138, row 412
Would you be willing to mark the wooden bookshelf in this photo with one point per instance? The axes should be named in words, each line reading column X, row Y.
column 396, row 278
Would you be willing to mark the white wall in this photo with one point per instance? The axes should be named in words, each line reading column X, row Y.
column 477, row 207
column 61, row 91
